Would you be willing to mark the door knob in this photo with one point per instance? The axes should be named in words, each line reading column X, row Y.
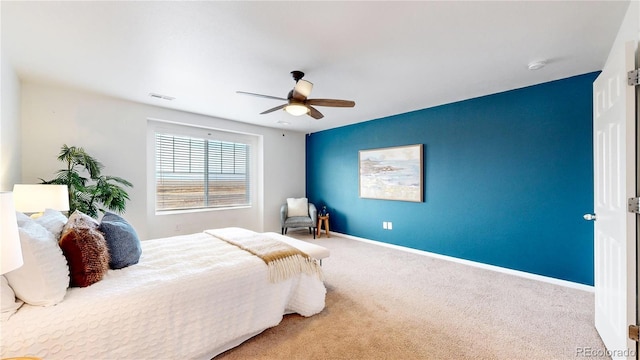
column 590, row 217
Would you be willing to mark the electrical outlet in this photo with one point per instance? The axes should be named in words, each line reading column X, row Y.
column 389, row 225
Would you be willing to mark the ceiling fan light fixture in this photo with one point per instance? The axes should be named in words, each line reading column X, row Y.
column 304, row 87
column 296, row 109
column 297, row 101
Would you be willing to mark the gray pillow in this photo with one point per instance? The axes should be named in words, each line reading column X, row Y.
column 122, row 241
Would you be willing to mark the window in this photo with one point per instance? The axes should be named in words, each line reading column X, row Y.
column 195, row 172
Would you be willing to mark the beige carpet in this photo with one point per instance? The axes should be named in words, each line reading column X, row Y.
column 389, row 304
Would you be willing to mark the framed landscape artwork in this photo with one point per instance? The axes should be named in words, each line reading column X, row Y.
column 393, row 173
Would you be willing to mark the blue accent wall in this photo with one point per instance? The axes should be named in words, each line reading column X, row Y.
column 507, row 178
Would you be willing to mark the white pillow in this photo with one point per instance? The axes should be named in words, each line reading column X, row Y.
column 21, row 218
column 44, row 278
column 8, row 300
column 297, row 207
column 52, row 220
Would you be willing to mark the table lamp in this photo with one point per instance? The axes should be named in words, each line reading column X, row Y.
column 36, row 198
column 11, row 252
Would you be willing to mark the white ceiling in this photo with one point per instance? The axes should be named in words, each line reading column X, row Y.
column 389, row 57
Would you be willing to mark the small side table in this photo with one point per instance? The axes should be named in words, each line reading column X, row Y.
column 323, row 219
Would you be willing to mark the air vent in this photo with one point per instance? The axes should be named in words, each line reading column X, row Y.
column 160, row 96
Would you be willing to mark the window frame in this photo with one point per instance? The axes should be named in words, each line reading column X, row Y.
column 195, row 131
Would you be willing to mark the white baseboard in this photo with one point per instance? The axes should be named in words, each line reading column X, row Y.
column 569, row 284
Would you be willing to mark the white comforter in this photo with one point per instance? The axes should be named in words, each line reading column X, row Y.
column 189, row 297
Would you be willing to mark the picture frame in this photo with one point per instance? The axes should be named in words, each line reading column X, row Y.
column 392, row 173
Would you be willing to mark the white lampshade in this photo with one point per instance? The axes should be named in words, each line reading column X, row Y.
column 11, row 255
column 36, row 198
column 296, row 109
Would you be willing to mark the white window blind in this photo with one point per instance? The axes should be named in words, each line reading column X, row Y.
column 194, row 173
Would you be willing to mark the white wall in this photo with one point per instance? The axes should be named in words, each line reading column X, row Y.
column 115, row 132
column 10, row 166
column 629, row 28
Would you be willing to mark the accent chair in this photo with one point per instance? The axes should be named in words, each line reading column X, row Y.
column 298, row 213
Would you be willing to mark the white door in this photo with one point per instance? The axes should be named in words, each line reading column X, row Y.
column 614, row 181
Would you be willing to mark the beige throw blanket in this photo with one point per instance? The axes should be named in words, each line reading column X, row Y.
column 283, row 260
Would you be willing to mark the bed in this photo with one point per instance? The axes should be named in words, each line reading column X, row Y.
column 188, row 297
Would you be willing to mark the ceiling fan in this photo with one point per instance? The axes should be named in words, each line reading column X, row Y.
column 298, row 102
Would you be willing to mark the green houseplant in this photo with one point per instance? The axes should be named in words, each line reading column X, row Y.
column 90, row 194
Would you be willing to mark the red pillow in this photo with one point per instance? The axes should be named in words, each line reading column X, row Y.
column 86, row 251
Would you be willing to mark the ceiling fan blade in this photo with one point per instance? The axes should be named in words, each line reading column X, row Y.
column 273, row 109
column 331, row 102
column 314, row 113
column 260, row 95
column 302, row 90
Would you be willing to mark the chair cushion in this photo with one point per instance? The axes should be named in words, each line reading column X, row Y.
column 297, row 207
column 298, row 221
